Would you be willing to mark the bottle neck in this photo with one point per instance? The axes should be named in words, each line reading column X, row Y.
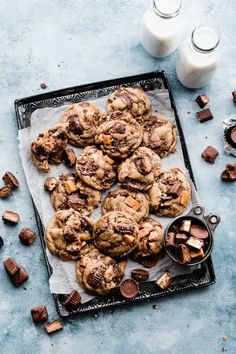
column 167, row 9
column 205, row 40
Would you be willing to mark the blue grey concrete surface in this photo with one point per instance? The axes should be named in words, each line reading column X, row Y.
column 71, row 42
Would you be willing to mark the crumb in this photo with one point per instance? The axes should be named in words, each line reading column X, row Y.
column 154, row 306
column 188, row 112
column 205, row 137
column 43, row 85
column 224, row 338
column 11, row 243
column 24, row 288
column 224, row 350
column 58, row 65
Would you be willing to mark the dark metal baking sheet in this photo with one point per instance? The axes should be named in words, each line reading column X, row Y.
column 24, row 108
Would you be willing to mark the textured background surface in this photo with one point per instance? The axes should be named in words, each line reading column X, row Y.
column 71, row 42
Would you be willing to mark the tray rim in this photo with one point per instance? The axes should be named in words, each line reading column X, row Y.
column 90, row 87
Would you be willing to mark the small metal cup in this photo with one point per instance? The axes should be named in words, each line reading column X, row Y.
column 196, row 215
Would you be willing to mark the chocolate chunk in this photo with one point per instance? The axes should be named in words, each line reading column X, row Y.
column 10, row 217
column 229, row 174
column 11, row 180
column 118, row 128
column 143, row 165
column 75, row 201
column 170, row 240
column 5, row 191
column 124, row 229
column 69, row 234
column 95, row 278
column 1, row 242
column 195, row 243
column 129, row 288
column 185, row 226
column 75, row 125
column 175, row 189
column 17, row 273
column 197, row 254
column 43, row 85
column 50, row 184
column 27, row 236
column 164, row 281
column 180, row 238
column 69, row 157
column 140, row 274
column 210, row 154
column 202, row 100
column 39, row 313
column 234, row 96
column 204, row 115
column 183, row 254
column 54, row 326
column 73, row 300
column 198, row 231
column 149, row 261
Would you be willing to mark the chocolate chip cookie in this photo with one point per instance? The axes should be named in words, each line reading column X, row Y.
column 119, row 136
column 81, row 119
column 98, row 273
column 68, row 233
column 138, row 172
column 170, row 194
column 130, row 99
column 115, row 234
column 132, row 203
column 71, row 192
column 159, row 134
column 96, row 169
column 48, row 147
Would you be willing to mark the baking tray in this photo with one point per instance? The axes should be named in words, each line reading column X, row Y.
column 24, row 108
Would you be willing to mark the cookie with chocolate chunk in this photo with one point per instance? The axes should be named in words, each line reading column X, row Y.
column 98, row 273
column 132, row 203
column 81, row 119
column 170, row 194
column 68, row 234
column 115, row 234
column 130, row 99
column 71, row 192
column 159, row 135
column 119, row 136
column 138, row 172
column 48, row 147
column 96, row 169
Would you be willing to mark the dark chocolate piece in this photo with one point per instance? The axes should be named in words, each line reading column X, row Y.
column 204, row 115
column 73, row 300
column 180, row 238
column 234, row 96
column 1, row 242
column 140, row 275
column 39, row 313
column 50, row 184
column 210, row 154
column 129, row 288
column 69, row 157
column 164, row 281
column 11, row 180
column 5, row 191
column 195, row 243
column 149, row 261
column 185, row 226
column 16, row 272
column 229, row 174
column 202, row 100
column 27, row 236
column 170, row 240
column 183, row 254
column 10, row 217
column 54, row 326
column 175, row 189
column 198, row 231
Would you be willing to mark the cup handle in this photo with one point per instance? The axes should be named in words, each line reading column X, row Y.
column 213, row 221
column 197, row 211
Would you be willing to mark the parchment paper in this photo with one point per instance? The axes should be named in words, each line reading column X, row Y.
column 63, row 279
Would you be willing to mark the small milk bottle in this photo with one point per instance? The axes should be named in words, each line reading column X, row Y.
column 162, row 26
column 198, row 57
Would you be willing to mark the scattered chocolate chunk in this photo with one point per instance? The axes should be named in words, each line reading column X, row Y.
column 5, row 191
column 202, row 100
column 11, row 180
column 1, row 242
column 43, row 85
column 10, row 217
column 50, row 184
column 234, row 96
column 197, row 254
column 210, row 154
column 129, row 288
column 73, row 300
column 229, row 174
column 16, row 272
column 195, row 243
column 170, row 239
column 183, row 254
column 164, row 281
column 204, row 115
column 198, row 231
column 180, row 238
column 69, row 157
column 140, row 275
column 54, row 326
column 27, row 236
column 39, row 313
column 185, row 226
column 149, row 261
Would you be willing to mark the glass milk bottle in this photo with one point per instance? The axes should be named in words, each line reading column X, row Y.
column 198, row 57
column 162, row 26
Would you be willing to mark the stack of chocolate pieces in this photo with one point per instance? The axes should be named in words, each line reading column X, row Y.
column 187, row 241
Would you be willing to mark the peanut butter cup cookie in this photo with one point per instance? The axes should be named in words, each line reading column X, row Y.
column 132, row 203
column 71, row 192
column 68, row 233
column 81, row 119
column 98, row 273
column 119, row 137
column 130, row 99
column 139, row 171
column 115, row 234
column 96, row 169
column 170, row 194
column 159, row 134
column 48, row 147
